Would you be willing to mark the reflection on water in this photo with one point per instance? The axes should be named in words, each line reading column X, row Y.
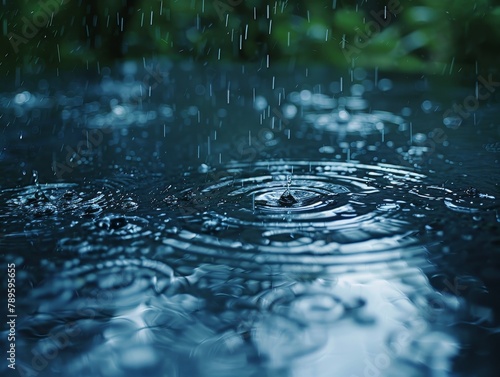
column 339, row 222
column 175, row 248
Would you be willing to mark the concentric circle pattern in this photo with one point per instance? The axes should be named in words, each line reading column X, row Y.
column 201, row 220
column 304, row 217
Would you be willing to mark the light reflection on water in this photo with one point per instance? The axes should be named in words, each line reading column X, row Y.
column 285, row 289
column 149, row 263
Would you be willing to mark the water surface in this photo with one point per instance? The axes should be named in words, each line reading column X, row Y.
column 253, row 222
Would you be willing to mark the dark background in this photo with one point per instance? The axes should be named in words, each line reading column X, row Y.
column 426, row 36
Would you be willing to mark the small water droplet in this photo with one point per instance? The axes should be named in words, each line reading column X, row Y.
column 287, row 199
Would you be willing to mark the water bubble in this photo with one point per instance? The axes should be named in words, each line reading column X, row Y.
column 419, row 138
column 385, row 85
column 452, row 121
column 343, row 116
column 289, row 111
column 426, row 106
column 305, row 96
column 327, row 149
column 203, row 168
column 360, row 73
column 260, row 103
column 166, row 111
column 119, row 111
column 22, row 98
column 357, row 90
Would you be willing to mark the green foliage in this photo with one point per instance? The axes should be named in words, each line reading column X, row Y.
column 424, row 35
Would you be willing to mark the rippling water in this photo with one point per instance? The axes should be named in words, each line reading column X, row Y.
column 292, row 231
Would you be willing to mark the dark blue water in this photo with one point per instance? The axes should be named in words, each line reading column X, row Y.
column 252, row 222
